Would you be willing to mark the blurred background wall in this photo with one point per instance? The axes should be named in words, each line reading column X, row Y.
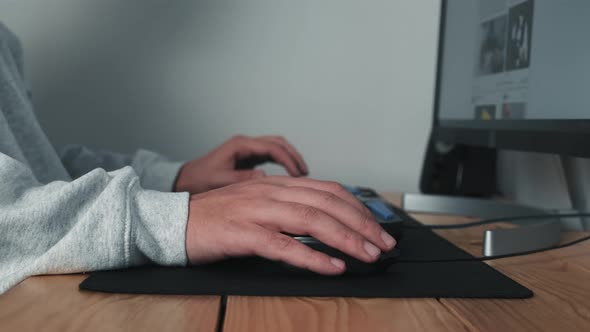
column 349, row 82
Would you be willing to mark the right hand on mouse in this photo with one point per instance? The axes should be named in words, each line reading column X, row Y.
column 248, row 219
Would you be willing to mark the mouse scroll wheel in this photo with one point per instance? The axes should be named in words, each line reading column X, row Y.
column 306, row 239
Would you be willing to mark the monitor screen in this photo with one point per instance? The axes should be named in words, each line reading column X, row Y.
column 522, row 67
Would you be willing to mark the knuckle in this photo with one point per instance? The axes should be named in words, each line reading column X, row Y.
column 284, row 149
column 308, row 213
column 334, row 186
column 276, row 149
column 329, row 198
column 280, row 242
column 348, row 236
column 366, row 221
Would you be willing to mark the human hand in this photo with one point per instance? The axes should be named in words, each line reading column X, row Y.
column 248, row 219
column 234, row 161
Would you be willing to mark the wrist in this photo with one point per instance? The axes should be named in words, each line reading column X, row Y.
column 179, row 185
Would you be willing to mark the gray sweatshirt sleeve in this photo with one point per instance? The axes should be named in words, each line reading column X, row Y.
column 102, row 220
column 155, row 171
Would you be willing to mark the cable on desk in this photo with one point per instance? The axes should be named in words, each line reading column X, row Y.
column 489, row 258
column 497, row 220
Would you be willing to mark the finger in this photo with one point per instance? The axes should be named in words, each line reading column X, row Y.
column 277, row 246
column 247, row 147
column 291, row 149
column 223, row 179
column 303, row 219
column 329, row 186
column 251, row 162
column 339, row 209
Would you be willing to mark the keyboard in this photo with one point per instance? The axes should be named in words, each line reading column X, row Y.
column 384, row 211
column 392, row 219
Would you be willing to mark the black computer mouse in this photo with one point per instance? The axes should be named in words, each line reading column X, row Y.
column 353, row 265
column 395, row 229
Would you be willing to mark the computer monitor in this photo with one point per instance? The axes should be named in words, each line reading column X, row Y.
column 514, row 75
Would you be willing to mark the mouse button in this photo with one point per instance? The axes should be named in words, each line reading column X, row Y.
column 394, row 253
column 395, row 229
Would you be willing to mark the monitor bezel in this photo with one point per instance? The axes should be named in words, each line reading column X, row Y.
column 560, row 136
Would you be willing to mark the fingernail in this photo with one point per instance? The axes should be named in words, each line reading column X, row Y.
column 371, row 249
column 338, row 263
column 388, row 239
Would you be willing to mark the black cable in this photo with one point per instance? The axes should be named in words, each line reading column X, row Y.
column 489, row 258
column 497, row 220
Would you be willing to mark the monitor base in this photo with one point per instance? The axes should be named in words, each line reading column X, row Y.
column 531, row 235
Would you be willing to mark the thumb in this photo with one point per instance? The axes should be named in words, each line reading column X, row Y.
column 227, row 178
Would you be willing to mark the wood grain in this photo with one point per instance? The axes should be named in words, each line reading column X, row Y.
column 54, row 303
column 337, row 314
column 561, row 301
column 560, row 280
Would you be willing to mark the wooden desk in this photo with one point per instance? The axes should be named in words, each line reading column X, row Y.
column 560, row 280
column 54, row 303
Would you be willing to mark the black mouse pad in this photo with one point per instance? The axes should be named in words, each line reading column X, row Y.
column 259, row 277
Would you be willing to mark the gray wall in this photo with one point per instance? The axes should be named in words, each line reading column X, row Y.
column 350, row 83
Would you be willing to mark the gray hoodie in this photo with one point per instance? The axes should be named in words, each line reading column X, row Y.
column 79, row 210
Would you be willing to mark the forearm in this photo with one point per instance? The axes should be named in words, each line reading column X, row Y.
column 99, row 221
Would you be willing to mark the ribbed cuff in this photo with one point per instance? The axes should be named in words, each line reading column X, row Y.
column 158, row 227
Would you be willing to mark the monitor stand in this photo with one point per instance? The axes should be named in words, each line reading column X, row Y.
column 577, row 177
column 532, row 234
